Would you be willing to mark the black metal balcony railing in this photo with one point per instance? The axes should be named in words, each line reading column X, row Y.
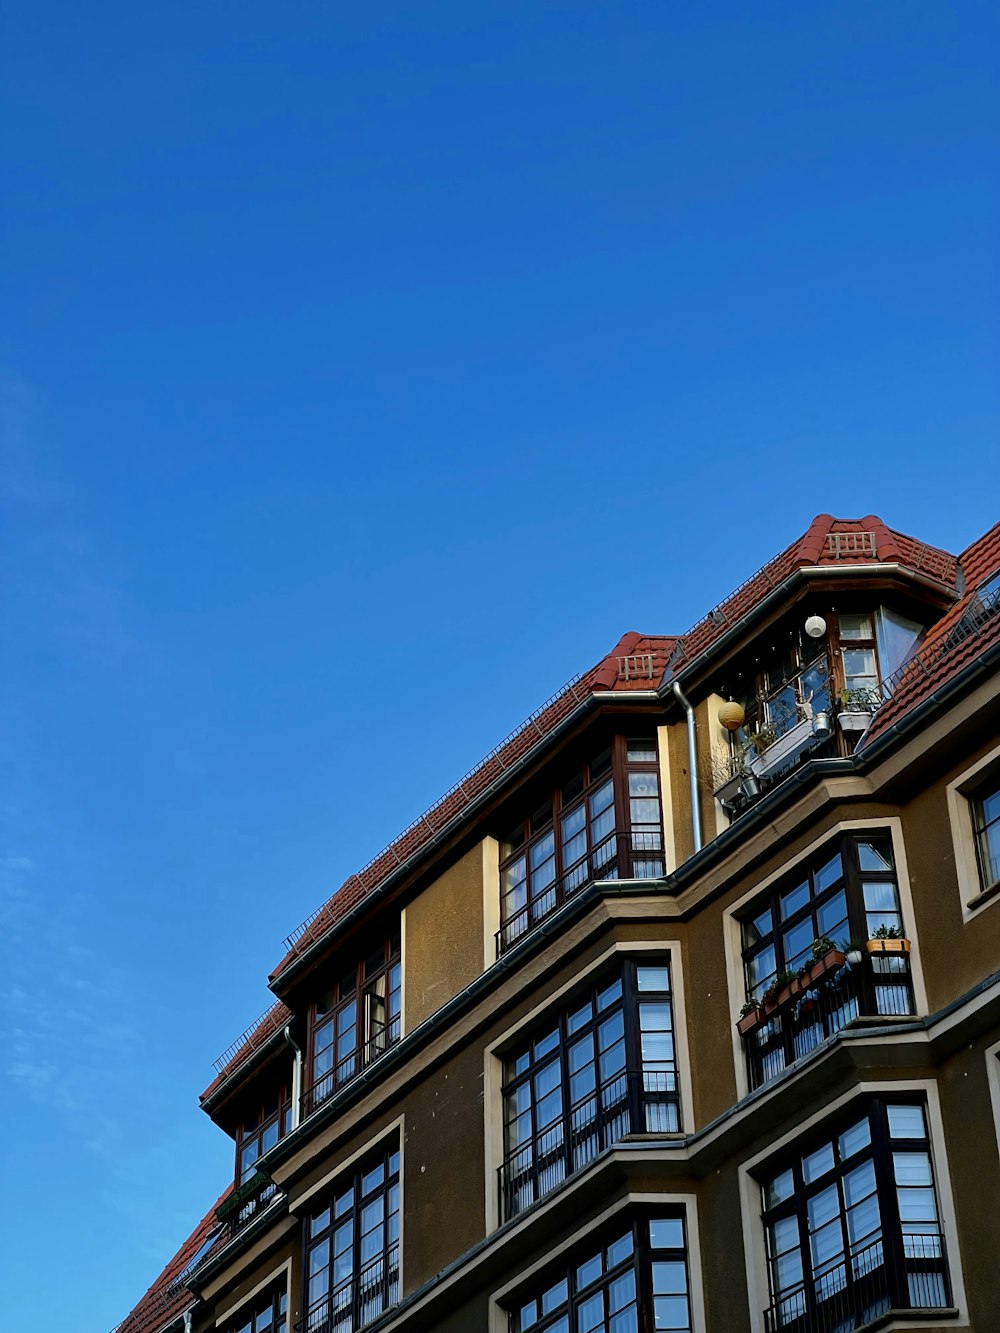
column 385, row 1036
column 623, row 854
column 878, row 986
column 638, row 1102
column 246, row 1204
column 357, row 1300
column 849, row 1291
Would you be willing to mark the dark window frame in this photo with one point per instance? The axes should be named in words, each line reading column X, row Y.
column 355, row 992
column 257, row 1131
column 876, row 1273
column 598, row 848
column 595, row 1101
column 881, row 984
column 276, row 1303
column 349, row 1203
column 634, row 1224
column 983, row 828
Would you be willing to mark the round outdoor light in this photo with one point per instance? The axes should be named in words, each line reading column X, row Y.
column 815, row 627
column 731, row 716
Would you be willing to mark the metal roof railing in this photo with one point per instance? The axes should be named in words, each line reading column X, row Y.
column 541, row 721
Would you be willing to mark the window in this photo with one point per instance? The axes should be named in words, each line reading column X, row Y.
column 267, row 1315
column 636, row 1278
column 355, row 1021
column 858, row 656
column 852, row 1223
column 260, row 1131
column 575, row 835
column 986, row 831
column 846, row 894
column 352, row 1248
column 604, row 1067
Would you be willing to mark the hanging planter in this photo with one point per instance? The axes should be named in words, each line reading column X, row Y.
column 854, row 721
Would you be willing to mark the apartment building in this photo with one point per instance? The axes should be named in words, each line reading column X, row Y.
column 679, row 1012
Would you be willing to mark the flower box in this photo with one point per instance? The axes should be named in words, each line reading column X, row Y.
column 729, row 790
column 787, row 747
column 746, row 1024
column 888, row 946
column 830, row 962
column 854, row 721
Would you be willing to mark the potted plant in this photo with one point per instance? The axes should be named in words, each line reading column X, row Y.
column 852, row 952
column 827, row 957
column 855, row 709
column 888, row 939
column 729, row 772
column 750, row 1017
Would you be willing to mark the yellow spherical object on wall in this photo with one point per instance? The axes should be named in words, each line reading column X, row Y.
column 732, row 716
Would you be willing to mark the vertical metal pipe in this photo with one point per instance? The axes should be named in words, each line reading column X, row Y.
column 692, row 766
column 296, row 1078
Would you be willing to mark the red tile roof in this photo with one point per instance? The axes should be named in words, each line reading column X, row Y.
column 168, row 1298
column 958, row 637
column 637, row 662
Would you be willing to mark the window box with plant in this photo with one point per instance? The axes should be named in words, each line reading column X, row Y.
column 855, row 708
column 804, row 927
column 888, row 939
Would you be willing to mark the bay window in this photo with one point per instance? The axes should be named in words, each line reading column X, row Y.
column 635, row 1276
column 355, row 1021
column 603, row 1067
column 844, row 896
column 852, row 1223
column 352, row 1247
column 603, row 822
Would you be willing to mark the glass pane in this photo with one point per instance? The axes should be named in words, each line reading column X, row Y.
column 856, row 627
column 855, row 1138
column 643, row 784
column 863, row 1223
column 666, row 1233
column 642, row 751
column 797, row 943
column 653, row 978
column 917, row 1205
column 829, row 874
column 555, row 1296
column 670, row 1278
column 906, row 1122
column 757, row 928
column 779, row 1188
column 874, row 856
column 859, row 1183
column 794, row 899
column 822, row 1207
column 912, row 1168
column 879, row 897
column 817, row 1163
column 670, row 1312
column 588, row 1271
column 619, row 1249
column 831, row 918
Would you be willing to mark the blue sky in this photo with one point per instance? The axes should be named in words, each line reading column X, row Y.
column 364, row 373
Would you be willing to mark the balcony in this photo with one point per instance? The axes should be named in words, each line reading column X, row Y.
column 246, row 1204
column 802, row 1016
column 357, row 1300
column 384, row 1036
column 889, row 1276
column 623, row 854
column 632, row 1102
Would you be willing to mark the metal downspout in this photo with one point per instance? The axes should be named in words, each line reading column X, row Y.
column 692, row 766
column 296, row 1078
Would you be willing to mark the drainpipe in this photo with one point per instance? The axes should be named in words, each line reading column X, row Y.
column 296, row 1079
column 692, row 766
column 187, row 1320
